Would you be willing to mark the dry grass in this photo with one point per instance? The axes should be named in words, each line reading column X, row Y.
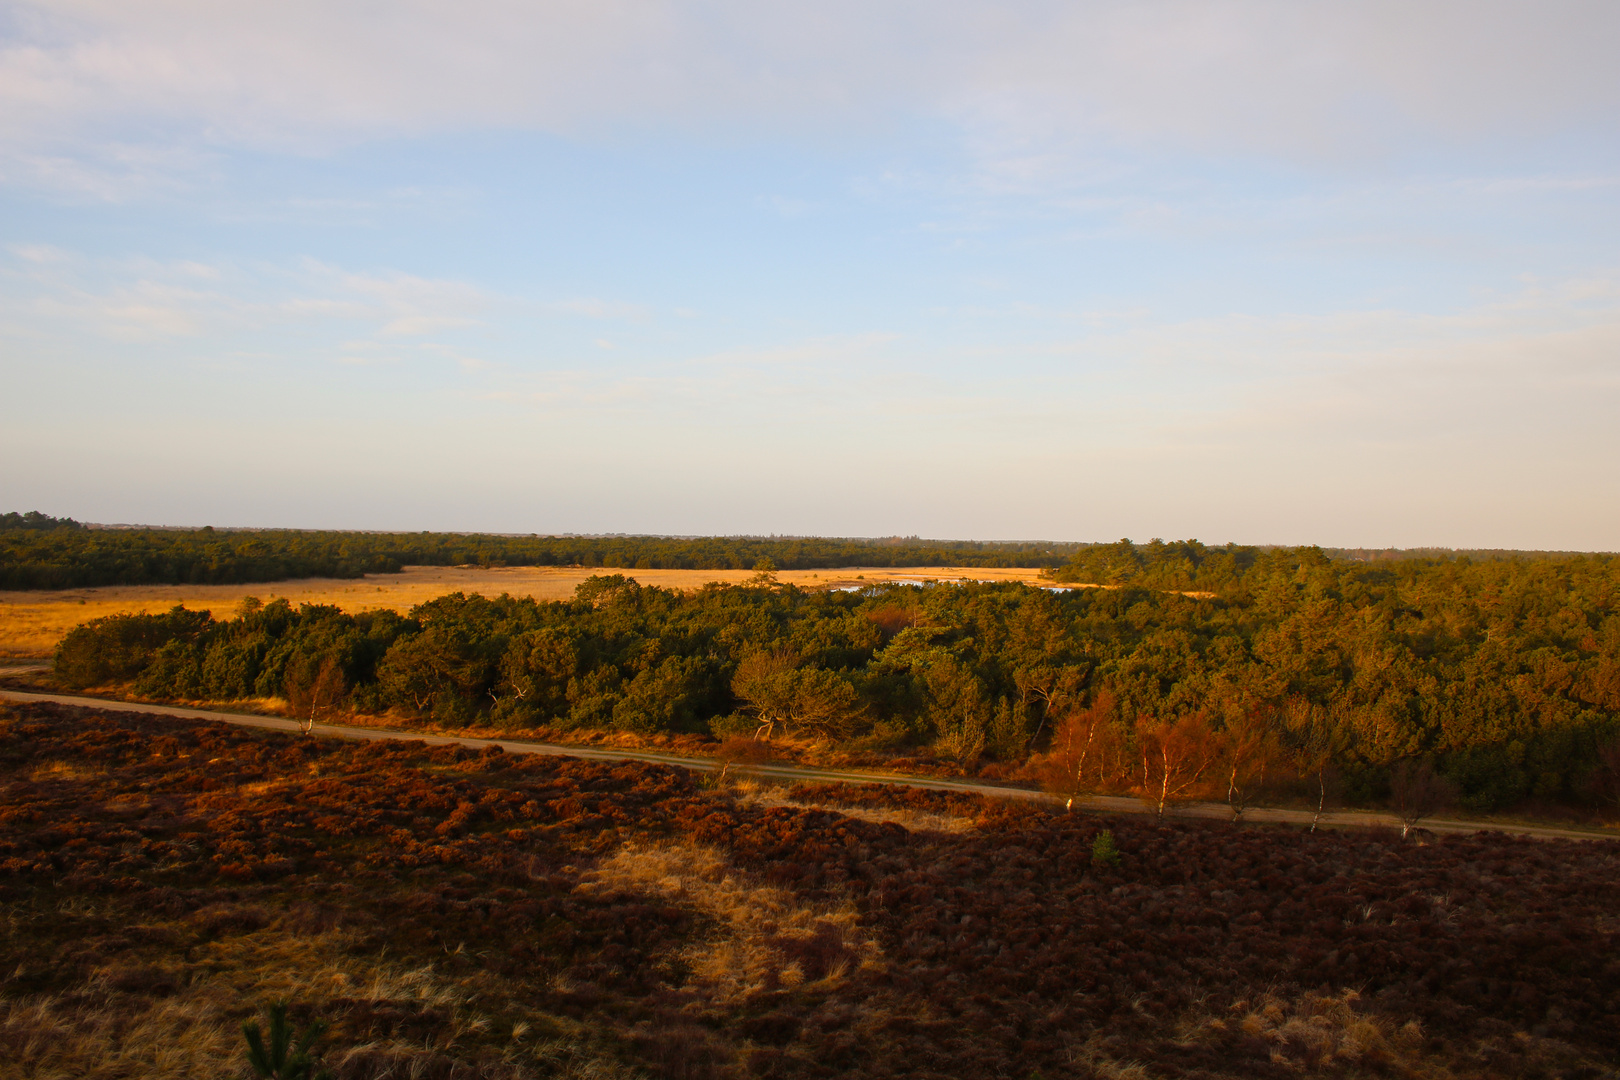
column 765, row 939
column 1323, row 1031
column 180, row 1018
column 66, row 770
column 1313, row 1035
column 31, row 623
column 54, row 1039
column 751, row 792
column 1336, row 1035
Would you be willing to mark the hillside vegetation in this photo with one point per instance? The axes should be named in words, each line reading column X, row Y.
column 502, row 917
column 1298, row 670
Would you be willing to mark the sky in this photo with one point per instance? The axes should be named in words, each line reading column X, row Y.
column 1263, row 272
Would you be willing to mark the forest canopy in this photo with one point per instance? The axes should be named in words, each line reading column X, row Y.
column 1507, row 673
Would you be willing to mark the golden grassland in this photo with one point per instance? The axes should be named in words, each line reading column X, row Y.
column 31, row 623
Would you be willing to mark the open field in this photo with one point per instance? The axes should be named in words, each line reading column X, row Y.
column 483, row 914
column 31, row 623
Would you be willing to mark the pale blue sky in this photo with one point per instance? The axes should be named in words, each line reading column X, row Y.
column 1267, row 272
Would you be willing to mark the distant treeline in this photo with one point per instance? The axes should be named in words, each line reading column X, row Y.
column 32, row 557
column 1507, row 673
column 41, row 552
column 1187, row 565
column 36, row 521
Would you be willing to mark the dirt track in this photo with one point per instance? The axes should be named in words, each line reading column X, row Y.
column 1106, row 803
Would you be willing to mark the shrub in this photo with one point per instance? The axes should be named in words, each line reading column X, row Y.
column 735, row 726
column 1416, row 791
column 117, row 648
column 285, row 1056
column 743, row 750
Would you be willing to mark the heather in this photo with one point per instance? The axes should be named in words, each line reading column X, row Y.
column 453, row 913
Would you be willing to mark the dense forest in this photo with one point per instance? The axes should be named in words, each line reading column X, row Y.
column 1280, row 663
column 39, row 552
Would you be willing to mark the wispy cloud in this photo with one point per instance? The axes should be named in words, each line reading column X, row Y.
column 416, row 325
column 65, row 167
column 1149, row 253
column 590, row 307
column 1037, row 80
column 131, row 299
column 786, row 206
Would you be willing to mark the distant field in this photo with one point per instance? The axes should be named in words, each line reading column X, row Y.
column 31, row 623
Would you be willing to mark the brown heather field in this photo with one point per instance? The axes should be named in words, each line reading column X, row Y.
column 31, row 623
column 488, row 916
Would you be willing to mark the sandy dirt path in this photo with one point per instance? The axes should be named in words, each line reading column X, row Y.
column 31, row 623
column 1104, row 803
